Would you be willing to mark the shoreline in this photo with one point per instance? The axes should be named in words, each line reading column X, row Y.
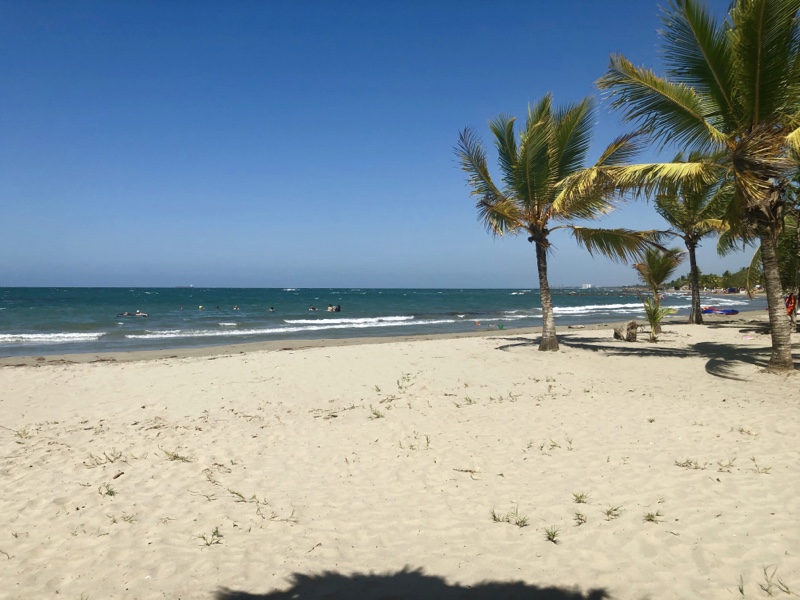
column 303, row 344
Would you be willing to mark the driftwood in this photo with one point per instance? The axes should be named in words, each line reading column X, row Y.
column 626, row 332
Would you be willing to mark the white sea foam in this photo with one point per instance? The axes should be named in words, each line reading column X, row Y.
column 48, row 338
column 722, row 301
column 355, row 322
column 590, row 308
column 321, row 326
column 223, row 324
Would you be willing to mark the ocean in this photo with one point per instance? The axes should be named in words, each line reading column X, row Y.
column 42, row 321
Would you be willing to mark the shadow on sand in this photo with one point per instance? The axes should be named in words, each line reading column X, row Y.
column 722, row 360
column 406, row 585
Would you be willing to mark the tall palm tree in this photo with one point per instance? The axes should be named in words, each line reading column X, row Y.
column 552, row 146
column 733, row 88
column 656, row 267
column 694, row 210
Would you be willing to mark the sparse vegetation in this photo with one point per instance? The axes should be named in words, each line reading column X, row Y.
column 758, row 469
column 175, row 456
column 214, row 538
column 771, row 583
column 653, row 517
column 109, row 457
column 551, row 534
column 513, row 517
column 107, row 489
column 405, row 382
column 691, row 464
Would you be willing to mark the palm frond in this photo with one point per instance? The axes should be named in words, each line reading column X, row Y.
column 505, row 141
column 655, row 313
column 755, row 272
column 532, row 172
column 764, row 36
column 673, row 112
column 620, row 245
column 472, row 158
column 659, row 178
column 697, row 53
column 573, row 134
column 621, row 150
column 793, row 143
column 657, row 266
column 501, row 217
column 729, row 242
column 498, row 213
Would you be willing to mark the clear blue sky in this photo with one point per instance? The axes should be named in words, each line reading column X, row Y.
column 287, row 143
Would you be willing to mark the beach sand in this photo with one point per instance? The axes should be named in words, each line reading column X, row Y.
column 409, row 468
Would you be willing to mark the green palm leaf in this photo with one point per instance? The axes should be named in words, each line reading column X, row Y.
column 698, row 54
column 670, row 111
column 765, row 43
column 619, row 245
column 573, row 133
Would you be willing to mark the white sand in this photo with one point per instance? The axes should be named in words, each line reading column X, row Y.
column 315, row 465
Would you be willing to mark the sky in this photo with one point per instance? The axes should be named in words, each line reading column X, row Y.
column 290, row 143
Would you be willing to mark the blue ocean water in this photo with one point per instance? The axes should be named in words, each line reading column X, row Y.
column 41, row 321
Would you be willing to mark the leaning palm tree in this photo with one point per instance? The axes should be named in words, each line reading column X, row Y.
column 656, row 267
column 694, row 210
column 552, row 146
column 733, row 88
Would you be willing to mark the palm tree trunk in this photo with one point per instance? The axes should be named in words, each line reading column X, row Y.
column 696, row 313
column 781, row 358
column 549, row 339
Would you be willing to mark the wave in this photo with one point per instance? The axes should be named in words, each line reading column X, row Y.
column 223, row 324
column 358, row 321
column 591, row 308
column 200, row 333
column 48, row 338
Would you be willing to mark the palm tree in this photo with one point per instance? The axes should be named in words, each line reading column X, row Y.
column 656, row 267
column 788, row 253
column 552, row 146
column 733, row 88
column 694, row 210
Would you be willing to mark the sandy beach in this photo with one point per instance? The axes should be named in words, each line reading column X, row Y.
column 467, row 466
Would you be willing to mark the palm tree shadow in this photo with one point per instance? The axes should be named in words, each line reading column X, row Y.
column 723, row 360
column 406, row 584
